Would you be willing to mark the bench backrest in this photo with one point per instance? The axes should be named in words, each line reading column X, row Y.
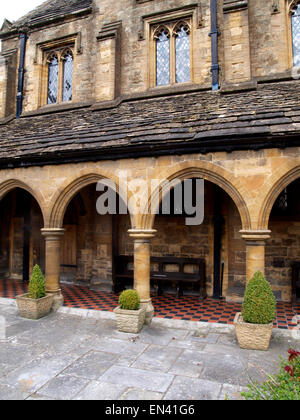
column 124, row 264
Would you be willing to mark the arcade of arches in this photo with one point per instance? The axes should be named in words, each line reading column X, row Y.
column 252, row 222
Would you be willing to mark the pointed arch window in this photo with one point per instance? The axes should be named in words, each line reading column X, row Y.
column 172, row 53
column 52, row 79
column 60, row 68
column 182, row 53
column 67, row 76
column 296, row 34
column 163, row 58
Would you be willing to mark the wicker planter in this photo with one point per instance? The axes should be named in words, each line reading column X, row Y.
column 34, row 308
column 130, row 321
column 252, row 336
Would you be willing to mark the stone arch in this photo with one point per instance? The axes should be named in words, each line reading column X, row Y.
column 273, row 193
column 208, row 172
column 69, row 191
column 11, row 184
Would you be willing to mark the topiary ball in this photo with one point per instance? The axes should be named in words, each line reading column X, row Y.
column 130, row 300
column 259, row 305
column 37, row 287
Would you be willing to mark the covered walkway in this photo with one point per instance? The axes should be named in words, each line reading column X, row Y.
column 166, row 306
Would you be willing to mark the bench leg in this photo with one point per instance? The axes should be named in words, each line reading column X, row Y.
column 159, row 291
column 179, row 291
column 115, row 288
column 202, row 295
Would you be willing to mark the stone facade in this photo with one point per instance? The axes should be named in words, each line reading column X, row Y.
column 116, row 39
column 243, row 138
column 248, row 194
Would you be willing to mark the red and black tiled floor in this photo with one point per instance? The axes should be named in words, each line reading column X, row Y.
column 166, row 306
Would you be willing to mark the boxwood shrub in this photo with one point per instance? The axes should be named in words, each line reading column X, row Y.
column 130, row 300
column 37, row 287
column 259, row 305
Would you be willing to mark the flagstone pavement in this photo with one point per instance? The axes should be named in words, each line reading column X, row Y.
column 79, row 354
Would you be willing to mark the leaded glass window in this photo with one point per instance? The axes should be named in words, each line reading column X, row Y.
column 52, row 80
column 163, row 58
column 68, row 77
column 296, row 35
column 182, row 54
column 172, row 53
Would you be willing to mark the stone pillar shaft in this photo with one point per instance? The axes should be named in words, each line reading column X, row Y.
column 52, row 254
column 255, row 251
column 142, row 268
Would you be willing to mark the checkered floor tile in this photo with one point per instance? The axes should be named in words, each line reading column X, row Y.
column 166, row 306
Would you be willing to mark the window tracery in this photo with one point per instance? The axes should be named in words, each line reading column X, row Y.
column 60, row 68
column 172, row 53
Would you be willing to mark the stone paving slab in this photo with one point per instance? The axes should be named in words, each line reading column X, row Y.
column 102, row 391
column 157, row 358
column 80, row 355
column 184, row 388
column 138, row 378
column 63, row 387
column 92, row 365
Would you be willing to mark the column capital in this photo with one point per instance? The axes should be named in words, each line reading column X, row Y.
column 255, row 235
column 52, row 233
column 143, row 234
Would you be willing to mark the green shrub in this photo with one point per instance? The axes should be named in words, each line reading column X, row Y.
column 259, row 305
column 37, row 288
column 281, row 387
column 129, row 299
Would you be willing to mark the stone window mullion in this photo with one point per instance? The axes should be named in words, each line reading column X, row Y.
column 172, row 59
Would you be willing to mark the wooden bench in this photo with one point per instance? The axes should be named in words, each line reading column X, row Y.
column 161, row 275
column 295, row 280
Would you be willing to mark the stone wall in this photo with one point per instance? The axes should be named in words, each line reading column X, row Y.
column 281, row 250
column 114, row 52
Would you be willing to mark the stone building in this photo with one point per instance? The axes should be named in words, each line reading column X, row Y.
column 159, row 90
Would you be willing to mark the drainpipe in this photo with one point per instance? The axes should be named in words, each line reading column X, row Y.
column 214, row 45
column 23, row 39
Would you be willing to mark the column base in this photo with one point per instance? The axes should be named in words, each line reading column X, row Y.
column 149, row 310
column 58, row 300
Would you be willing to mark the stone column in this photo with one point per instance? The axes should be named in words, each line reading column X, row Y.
column 255, row 251
column 52, row 253
column 142, row 268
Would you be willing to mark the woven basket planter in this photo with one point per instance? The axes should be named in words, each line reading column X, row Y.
column 130, row 321
column 34, row 308
column 252, row 336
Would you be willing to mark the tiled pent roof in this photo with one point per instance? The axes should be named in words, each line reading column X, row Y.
column 194, row 122
column 52, row 9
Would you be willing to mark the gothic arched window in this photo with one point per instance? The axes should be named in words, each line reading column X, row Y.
column 172, row 54
column 60, row 67
column 163, row 57
column 52, row 79
column 296, row 34
column 67, row 76
column 182, row 54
